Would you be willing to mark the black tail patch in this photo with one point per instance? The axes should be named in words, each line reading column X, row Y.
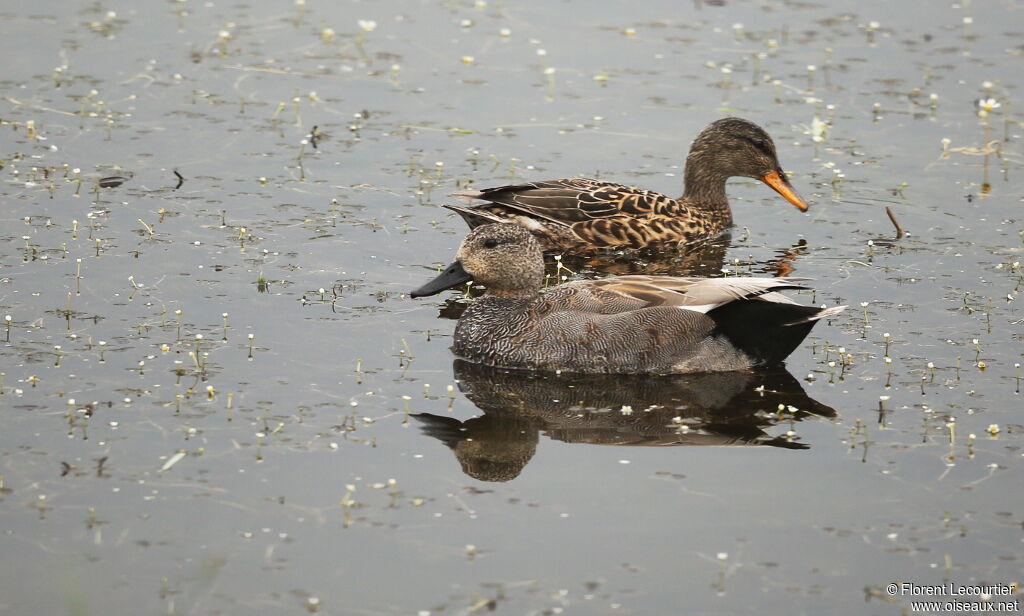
column 766, row 331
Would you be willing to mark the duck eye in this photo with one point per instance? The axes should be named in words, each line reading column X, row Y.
column 490, row 243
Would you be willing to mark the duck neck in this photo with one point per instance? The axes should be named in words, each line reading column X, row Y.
column 704, row 184
column 519, row 279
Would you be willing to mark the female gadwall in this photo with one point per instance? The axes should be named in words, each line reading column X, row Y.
column 624, row 324
column 582, row 215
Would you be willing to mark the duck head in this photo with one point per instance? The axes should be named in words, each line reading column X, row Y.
column 505, row 258
column 736, row 147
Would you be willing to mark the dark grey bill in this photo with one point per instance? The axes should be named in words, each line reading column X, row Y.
column 452, row 276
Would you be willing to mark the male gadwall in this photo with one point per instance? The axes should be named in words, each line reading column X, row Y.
column 582, row 215
column 624, row 324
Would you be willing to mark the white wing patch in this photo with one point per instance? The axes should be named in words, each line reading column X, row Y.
column 701, row 308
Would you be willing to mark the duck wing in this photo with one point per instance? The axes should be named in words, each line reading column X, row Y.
column 569, row 201
column 697, row 294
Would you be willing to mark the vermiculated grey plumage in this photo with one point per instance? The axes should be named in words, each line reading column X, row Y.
column 536, row 333
column 627, row 324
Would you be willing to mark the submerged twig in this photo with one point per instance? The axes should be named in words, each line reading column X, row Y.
column 899, row 228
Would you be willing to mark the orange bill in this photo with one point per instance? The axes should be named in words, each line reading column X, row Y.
column 781, row 185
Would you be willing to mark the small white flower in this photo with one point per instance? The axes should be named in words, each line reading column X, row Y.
column 819, row 130
column 988, row 104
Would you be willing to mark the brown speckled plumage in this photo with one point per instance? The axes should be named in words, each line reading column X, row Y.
column 581, row 215
column 626, row 324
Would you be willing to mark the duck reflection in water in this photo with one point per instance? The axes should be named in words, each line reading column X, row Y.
column 717, row 409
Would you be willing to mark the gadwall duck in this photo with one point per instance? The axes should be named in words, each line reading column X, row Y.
column 624, row 324
column 583, row 215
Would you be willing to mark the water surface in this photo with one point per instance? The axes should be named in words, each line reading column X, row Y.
column 311, row 468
